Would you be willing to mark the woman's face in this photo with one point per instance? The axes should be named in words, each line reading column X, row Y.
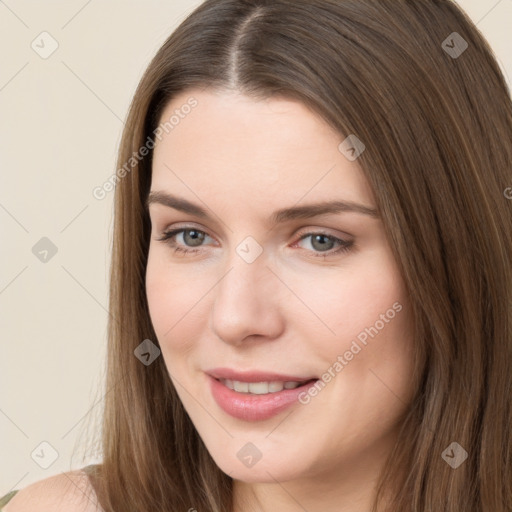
column 308, row 293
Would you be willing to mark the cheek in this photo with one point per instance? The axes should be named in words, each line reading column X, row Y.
column 368, row 292
column 174, row 302
column 159, row 295
column 369, row 325
column 179, row 301
column 371, row 307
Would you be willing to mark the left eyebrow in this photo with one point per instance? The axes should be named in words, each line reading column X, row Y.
column 279, row 216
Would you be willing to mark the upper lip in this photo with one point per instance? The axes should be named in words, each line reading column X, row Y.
column 255, row 376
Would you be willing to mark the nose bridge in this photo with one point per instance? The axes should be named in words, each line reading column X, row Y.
column 243, row 300
column 248, row 272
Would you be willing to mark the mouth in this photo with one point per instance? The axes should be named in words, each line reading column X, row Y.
column 263, row 387
column 257, row 400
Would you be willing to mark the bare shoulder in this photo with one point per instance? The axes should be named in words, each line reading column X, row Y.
column 66, row 492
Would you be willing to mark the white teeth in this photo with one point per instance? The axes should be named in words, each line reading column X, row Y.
column 259, row 388
column 242, row 387
column 274, row 387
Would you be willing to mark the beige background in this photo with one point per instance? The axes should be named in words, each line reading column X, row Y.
column 60, row 124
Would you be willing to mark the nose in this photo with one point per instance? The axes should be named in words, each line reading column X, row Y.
column 246, row 303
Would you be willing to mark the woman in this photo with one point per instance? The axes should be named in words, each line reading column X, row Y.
column 311, row 284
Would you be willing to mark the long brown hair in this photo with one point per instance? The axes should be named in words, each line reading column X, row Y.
column 419, row 85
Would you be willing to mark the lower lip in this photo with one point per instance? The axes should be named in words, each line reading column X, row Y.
column 249, row 407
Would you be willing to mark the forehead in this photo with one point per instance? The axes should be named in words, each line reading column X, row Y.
column 233, row 146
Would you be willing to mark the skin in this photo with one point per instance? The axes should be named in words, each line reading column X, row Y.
column 293, row 310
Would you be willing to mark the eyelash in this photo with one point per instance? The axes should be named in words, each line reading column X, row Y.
column 168, row 236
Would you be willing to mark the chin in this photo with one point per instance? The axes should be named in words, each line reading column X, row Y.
column 265, row 470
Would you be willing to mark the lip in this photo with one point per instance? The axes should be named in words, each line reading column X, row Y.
column 255, row 376
column 248, row 407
